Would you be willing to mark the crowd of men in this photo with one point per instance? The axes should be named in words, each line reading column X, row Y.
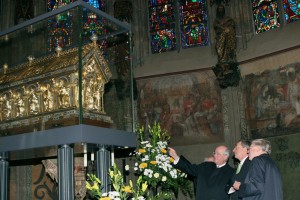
column 256, row 177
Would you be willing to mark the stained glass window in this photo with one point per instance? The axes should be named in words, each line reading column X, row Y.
column 60, row 33
column 93, row 24
column 97, row 4
column 162, row 25
column 54, row 4
column 265, row 14
column 193, row 23
column 291, row 10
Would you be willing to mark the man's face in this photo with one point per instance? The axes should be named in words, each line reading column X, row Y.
column 219, row 157
column 254, row 151
column 240, row 152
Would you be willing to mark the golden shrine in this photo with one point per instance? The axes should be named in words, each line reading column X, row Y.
column 44, row 92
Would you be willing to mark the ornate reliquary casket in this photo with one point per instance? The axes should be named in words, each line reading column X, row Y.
column 53, row 91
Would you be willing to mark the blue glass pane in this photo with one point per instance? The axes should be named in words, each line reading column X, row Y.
column 291, row 10
column 100, row 4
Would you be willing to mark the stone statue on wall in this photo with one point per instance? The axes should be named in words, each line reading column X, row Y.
column 224, row 27
column 226, row 69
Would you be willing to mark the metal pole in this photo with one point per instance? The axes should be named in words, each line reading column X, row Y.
column 65, row 162
column 102, row 167
column 3, row 175
column 131, row 83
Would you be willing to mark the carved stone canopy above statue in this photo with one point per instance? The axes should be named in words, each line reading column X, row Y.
column 45, row 92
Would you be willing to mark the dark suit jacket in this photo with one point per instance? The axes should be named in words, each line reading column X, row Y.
column 263, row 181
column 241, row 176
column 211, row 181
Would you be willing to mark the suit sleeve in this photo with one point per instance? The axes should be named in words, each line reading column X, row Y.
column 255, row 184
column 185, row 166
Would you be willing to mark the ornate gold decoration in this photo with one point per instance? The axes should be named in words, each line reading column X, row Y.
column 48, row 86
column 58, row 49
column 5, row 68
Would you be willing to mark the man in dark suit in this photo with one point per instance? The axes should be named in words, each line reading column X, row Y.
column 263, row 180
column 241, row 153
column 211, row 177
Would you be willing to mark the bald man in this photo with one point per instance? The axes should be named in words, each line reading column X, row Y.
column 211, row 177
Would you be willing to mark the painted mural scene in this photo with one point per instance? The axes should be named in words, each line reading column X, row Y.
column 149, row 99
column 272, row 101
column 188, row 106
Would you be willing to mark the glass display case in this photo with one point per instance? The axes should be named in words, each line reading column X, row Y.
column 67, row 67
column 66, row 92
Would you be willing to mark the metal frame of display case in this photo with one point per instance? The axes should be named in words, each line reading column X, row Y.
column 64, row 139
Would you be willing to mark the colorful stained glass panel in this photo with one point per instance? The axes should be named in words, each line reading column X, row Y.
column 193, row 23
column 60, row 33
column 163, row 40
column 265, row 14
column 93, row 24
column 291, row 10
column 162, row 25
column 100, row 4
column 55, row 4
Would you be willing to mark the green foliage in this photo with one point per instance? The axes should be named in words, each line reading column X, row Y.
column 154, row 164
column 157, row 179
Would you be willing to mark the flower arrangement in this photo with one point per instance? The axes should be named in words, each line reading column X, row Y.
column 121, row 191
column 154, row 164
column 156, row 176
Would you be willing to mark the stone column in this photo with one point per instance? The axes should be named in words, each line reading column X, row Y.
column 65, row 162
column 102, row 166
column 3, row 175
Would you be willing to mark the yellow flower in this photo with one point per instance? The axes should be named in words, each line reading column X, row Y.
column 163, row 150
column 88, row 185
column 105, row 198
column 156, row 175
column 111, row 173
column 153, row 162
column 127, row 189
column 144, row 186
column 95, row 186
column 143, row 165
column 171, row 159
column 142, row 150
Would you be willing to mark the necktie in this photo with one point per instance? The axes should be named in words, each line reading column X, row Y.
column 238, row 169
